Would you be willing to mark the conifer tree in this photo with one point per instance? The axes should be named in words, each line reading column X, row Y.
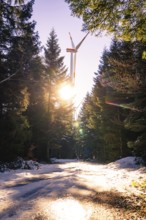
column 116, row 113
column 89, row 136
column 18, row 51
column 124, row 80
column 59, row 112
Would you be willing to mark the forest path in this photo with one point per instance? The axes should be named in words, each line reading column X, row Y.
column 71, row 191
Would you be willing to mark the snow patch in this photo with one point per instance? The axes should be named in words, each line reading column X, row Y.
column 20, row 188
column 127, row 162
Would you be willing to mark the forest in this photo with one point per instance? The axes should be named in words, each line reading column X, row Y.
column 35, row 123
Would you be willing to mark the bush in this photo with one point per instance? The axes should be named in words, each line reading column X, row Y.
column 19, row 164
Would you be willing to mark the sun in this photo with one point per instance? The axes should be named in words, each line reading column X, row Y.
column 66, row 92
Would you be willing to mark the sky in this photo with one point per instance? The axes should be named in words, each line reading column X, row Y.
column 56, row 14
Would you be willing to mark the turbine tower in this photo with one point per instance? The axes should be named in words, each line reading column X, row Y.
column 73, row 52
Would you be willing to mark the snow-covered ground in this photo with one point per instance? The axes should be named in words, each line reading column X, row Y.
column 21, row 191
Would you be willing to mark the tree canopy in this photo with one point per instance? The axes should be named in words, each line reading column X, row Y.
column 125, row 19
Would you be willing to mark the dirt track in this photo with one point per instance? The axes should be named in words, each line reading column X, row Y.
column 69, row 194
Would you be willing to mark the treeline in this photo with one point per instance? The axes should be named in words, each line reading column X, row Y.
column 34, row 122
column 113, row 116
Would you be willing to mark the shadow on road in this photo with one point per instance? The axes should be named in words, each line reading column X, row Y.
column 63, row 183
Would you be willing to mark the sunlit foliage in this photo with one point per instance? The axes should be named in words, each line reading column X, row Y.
column 125, row 19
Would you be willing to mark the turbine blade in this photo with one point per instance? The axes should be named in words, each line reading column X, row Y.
column 72, row 43
column 77, row 47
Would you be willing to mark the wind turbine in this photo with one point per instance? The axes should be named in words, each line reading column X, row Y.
column 73, row 52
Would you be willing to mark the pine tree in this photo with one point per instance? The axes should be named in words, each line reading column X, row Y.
column 59, row 112
column 125, row 76
column 89, row 140
column 18, row 51
column 109, row 107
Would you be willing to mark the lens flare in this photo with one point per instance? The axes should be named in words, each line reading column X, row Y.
column 123, row 105
column 66, row 92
